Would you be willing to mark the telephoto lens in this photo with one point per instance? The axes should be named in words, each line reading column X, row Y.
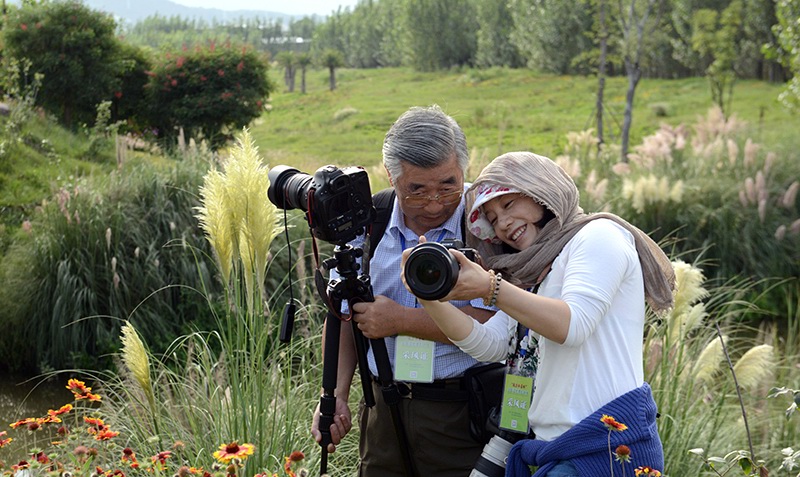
column 492, row 462
column 430, row 271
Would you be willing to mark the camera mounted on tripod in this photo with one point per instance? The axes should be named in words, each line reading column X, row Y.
column 337, row 202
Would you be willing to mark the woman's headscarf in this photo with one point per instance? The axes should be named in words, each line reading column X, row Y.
column 548, row 184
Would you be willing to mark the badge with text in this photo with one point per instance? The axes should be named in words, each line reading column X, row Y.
column 516, row 401
column 413, row 359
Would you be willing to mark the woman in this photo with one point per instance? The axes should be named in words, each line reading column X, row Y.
column 582, row 285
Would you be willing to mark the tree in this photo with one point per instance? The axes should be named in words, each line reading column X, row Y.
column 439, row 33
column 287, row 60
column 208, row 92
column 549, row 33
column 635, row 25
column 716, row 38
column 303, row 61
column 332, row 59
column 787, row 50
column 494, row 46
column 75, row 49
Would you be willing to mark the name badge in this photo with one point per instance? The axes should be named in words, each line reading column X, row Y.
column 413, row 359
column 517, row 394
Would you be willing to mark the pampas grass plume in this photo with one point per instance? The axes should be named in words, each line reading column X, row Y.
column 754, row 366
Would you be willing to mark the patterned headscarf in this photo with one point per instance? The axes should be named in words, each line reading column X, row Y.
column 548, row 184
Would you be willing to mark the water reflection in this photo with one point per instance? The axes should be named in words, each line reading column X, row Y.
column 22, row 397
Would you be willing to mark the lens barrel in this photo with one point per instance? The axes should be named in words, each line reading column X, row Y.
column 288, row 188
column 431, row 271
column 492, row 462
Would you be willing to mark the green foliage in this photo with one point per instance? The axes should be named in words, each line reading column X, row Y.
column 494, row 46
column 97, row 254
column 439, row 34
column 545, row 33
column 76, row 51
column 787, row 50
column 716, row 37
column 208, row 92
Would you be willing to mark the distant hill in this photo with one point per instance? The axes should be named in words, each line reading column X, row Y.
column 132, row 11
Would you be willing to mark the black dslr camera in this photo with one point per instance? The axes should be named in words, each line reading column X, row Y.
column 431, row 272
column 337, row 202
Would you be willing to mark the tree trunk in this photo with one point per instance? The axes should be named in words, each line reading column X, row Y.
column 303, row 81
column 332, row 77
column 634, row 74
column 601, row 73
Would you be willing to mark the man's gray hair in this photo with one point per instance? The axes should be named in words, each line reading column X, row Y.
column 424, row 137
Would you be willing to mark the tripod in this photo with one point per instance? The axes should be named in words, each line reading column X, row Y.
column 355, row 288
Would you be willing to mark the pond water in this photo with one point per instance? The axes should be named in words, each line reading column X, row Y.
column 22, row 397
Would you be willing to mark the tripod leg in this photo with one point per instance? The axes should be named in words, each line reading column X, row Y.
column 327, row 402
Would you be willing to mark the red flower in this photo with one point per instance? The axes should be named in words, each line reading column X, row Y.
column 240, row 66
column 181, row 60
column 221, row 72
column 623, row 453
column 612, row 424
column 118, row 94
column 23, row 26
column 203, row 78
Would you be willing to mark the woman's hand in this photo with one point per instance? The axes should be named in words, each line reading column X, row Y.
column 473, row 281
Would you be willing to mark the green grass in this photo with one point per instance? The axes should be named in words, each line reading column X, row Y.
column 499, row 109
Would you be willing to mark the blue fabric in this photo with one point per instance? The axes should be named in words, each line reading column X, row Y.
column 564, row 468
column 586, row 445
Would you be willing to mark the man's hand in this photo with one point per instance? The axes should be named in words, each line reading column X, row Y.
column 342, row 423
column 378, row 319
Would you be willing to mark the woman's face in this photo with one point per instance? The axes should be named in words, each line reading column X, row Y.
column 513, row 217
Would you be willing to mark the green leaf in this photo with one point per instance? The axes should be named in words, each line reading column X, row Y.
column 746, row 464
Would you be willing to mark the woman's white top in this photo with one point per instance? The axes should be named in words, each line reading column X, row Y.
column 599, row 276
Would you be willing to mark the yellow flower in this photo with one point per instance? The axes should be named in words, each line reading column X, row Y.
column 234, row 450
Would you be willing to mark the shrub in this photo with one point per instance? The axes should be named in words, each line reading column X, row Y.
column 74, row 48
column 208, row 92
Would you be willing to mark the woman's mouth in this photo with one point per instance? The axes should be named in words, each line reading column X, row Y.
column 518, row 232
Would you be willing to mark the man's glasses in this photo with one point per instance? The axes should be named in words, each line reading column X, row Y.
column 420, row 201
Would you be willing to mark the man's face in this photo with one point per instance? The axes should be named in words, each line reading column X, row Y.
column 416, row 184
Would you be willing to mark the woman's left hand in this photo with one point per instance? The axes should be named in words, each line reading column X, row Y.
column 473, row 281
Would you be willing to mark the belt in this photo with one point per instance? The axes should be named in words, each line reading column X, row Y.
column 443, row 390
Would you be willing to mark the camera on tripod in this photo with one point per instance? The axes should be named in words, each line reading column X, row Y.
column 431, row 271
column 337, row 202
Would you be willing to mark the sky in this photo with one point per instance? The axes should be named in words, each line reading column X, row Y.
column 292, row 7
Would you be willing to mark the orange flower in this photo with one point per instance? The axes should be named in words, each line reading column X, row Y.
column 23, row 422
column 78, row 387
column 623, row 453
column 296, row 456
column 62, row 410
column 4, row 442
column 227, row 452
column 88, row 396
column 612, row 424
column 105, row 435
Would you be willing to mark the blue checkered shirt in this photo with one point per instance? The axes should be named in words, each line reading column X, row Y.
column 384, row 270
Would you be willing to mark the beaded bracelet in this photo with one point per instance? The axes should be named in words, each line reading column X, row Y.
column 492, row 283
column 496, row 289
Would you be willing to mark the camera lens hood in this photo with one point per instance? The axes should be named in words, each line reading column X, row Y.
column 431, row 271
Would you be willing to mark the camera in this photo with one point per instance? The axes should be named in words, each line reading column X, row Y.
column 337, row 202
column 431, row 271
column 492, row 462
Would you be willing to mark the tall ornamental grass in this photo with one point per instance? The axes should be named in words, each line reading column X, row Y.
column 237, row 384
column 100, row 251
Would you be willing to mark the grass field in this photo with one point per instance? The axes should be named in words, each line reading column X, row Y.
column 499, row 109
